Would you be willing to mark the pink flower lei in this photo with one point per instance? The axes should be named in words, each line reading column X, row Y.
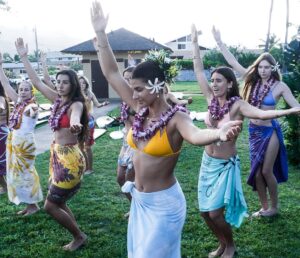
column 138, row 131
column 217, row 112
column 57, row 112
column 15, row 117
column 257, row 96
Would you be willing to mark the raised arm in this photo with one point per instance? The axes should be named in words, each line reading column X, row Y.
column 46, row 75
column 252, row 112
column 10, row 92
column 36, row 81
column 106, row 57
column 196, row 136
column 198, row 66
column 176, row 101
column 227, row 55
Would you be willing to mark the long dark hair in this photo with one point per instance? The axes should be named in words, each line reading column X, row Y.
column 76, row 95
column 148, row 70
column 252, row 75
column 228, row 73
column 2, row 94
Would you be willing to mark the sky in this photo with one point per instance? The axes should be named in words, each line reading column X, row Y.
column 63, row 23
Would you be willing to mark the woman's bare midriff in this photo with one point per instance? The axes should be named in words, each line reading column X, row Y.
column 263, row 122
column 152, row 173
column 64, row 137
column 221, row 150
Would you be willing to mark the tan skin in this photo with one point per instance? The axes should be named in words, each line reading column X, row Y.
column 265, row 179
column 24, row 93
column 60, row 212
column 91, row 99
column 152, row 173
column 122, row 175
column 218, row 88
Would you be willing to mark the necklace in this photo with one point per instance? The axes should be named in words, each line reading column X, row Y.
column 257, row 96
column 57, row 112
column 139, row 133
column 15, row 118
column 217, row 112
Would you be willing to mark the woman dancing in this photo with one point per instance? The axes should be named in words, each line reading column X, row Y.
column 263, row 89
column 69, row 122
column 23, row 183
column 158, row 206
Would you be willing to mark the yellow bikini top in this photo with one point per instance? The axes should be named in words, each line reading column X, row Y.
column 158, row 145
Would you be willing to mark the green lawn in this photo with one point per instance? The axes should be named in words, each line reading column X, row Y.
column 99, row 208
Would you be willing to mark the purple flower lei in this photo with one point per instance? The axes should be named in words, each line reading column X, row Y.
column 256, row 97
column 15, row 117
column 57, row 112
column 124, row 111
column 217, row 112
column 138, row 131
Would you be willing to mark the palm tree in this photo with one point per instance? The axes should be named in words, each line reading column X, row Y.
column 269, row 27
column 287, row 24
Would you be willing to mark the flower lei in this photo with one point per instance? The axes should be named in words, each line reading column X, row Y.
column 15, row 118
column 124, row 111
column 217, row 112
column 57, row 112
column 169, row 66
column 137, row 128
column 256, row 97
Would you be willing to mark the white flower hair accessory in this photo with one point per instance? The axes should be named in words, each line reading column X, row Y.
column 275, row 67
column 155, row 87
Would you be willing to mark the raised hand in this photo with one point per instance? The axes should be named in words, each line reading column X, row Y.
column 230, row 130
column 76, row 128
column 217, row 35
column 43, row 57
column 22, row 49
column 99, row 21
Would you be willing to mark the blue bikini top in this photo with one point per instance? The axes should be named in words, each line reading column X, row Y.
column 269, row 100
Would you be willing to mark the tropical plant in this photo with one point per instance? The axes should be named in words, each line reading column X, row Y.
column 291, row 123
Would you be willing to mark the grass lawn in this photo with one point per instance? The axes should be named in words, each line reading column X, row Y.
column 99, row 208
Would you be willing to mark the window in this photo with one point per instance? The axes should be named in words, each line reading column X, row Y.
column 181, row 46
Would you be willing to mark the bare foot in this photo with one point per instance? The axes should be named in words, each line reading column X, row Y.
column 22, row 212
column 76, row 243
column 270, row 212
column 3, row 190
column 258, row 213
column 126, row 215
column 31, row 210
column 229, row 252
column 217, row 253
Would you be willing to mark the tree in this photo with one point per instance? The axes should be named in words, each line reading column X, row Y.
column 7, row 58
column 3, row 5
column 269, row 27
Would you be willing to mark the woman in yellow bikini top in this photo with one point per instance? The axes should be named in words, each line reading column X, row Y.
column 158, row 130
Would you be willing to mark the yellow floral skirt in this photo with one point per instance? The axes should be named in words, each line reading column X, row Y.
column 66, row 168
column 23, row 182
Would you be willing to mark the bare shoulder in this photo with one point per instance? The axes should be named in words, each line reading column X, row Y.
column 77, row 105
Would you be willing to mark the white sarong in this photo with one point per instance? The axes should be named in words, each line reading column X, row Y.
column 155, row 222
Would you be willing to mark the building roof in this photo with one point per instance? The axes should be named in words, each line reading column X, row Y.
column 119, row 40
column 57, row 54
